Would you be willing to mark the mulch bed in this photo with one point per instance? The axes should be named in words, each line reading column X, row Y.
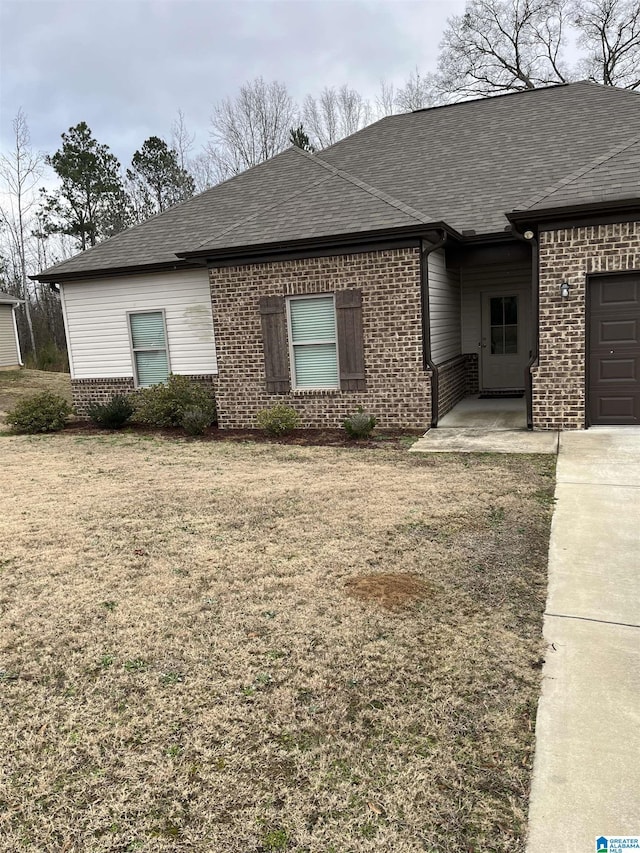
column 388, row 439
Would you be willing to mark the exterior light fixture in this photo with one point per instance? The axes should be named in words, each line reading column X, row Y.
column 564, row 289
column 528, row 235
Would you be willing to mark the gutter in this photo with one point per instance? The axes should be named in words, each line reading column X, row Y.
column 535, row 287
column 427, row 362
column 550, row 214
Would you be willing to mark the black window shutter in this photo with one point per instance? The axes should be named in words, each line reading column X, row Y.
column 274, row 342
column 350, row 343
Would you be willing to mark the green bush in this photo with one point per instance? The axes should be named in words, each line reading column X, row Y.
column 45, row 412
column 278, row 420
column 165, row 405
column 359, row 425
column 195, row 421
column 112, row 415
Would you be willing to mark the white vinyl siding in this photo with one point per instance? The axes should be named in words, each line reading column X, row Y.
column 96, row 320
column 444, row 309
column 9, row 355
column 313, row 342
column 149, row 346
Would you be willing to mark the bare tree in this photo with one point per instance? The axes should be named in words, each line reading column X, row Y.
column 204, row 171
column 20, row 171
column 182, row 141
column 250, row 128
column 385, row 100
column 509, row 45
column 418, row 92
column 336, row 113
column 502, row 46
column 610, row 35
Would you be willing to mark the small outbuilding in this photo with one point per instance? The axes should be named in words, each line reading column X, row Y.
column 10, row 357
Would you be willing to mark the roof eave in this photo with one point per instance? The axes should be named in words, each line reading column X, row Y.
column 54, row 277
column 419, row 230
column 626, row 205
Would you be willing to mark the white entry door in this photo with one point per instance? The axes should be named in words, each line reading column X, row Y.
column 504, row 348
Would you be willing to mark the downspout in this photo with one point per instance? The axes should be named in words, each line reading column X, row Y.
column 427, row 363
column 535, row 287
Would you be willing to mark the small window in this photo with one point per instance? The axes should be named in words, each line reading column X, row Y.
column 504, row 325
column 149, row 346
column 313, row 340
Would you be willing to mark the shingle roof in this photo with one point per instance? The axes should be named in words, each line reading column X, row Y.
column 7, row 299
column 614, row 176
column 465, row 164
column 470, row 163
column 337, row 203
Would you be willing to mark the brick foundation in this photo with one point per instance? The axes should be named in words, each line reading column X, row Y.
column 471, row 373
column 398, row 389
column 84, row 392
column 452, row 384
column 571, row 254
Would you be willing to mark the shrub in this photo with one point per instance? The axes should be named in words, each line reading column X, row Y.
column 278, row 420
column 165, row 405
column 112, row 415
column 195, row 421
column 359, row 425
column 45, row 412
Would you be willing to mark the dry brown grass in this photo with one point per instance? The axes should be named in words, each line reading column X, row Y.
column 16, row 384
column 182, row 667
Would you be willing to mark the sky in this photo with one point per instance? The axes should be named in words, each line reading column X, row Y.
column 127, row 66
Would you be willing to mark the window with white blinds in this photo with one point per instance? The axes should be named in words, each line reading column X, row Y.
column 149, row 346
column 312, row 336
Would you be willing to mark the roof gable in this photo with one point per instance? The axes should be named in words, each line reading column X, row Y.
column 613, row 176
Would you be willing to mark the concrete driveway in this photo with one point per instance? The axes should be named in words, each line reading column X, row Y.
column 586, row 778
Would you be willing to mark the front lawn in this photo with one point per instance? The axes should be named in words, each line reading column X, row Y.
column 242, row 648
column 17, row 384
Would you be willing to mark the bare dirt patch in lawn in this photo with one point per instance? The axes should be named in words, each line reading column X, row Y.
column 389, row 590
column 16, row 384
column 182, row 666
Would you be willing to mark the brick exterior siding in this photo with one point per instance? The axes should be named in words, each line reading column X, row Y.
column 84, row 392
column 452, row 383
column 472, row 373
column 571, row 254
column 398, row 389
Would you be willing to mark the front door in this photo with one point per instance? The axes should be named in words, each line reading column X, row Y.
column 614, row 349
column 504, row 348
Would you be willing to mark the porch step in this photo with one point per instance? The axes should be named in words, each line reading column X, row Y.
column 468, row 440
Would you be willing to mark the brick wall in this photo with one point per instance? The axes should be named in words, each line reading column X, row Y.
column 570, row 254
column 452, row 383
column 87, row 391
column 398, row 389
column 472, row 373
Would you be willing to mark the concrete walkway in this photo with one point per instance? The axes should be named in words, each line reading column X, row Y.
column 586, row 777
column 486, row 426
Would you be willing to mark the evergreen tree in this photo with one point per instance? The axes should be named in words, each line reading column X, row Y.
column 91, row 190
column 156, row 179
column 299, row 138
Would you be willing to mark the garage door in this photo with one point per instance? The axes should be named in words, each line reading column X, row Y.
column 614, row 349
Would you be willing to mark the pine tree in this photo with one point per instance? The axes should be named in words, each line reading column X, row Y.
column 156, row 179
column 90, row 203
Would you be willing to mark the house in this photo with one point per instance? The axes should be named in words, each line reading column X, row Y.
column 490, row 246
column 10, row 358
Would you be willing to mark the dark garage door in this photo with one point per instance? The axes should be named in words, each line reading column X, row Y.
column 614, row 349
